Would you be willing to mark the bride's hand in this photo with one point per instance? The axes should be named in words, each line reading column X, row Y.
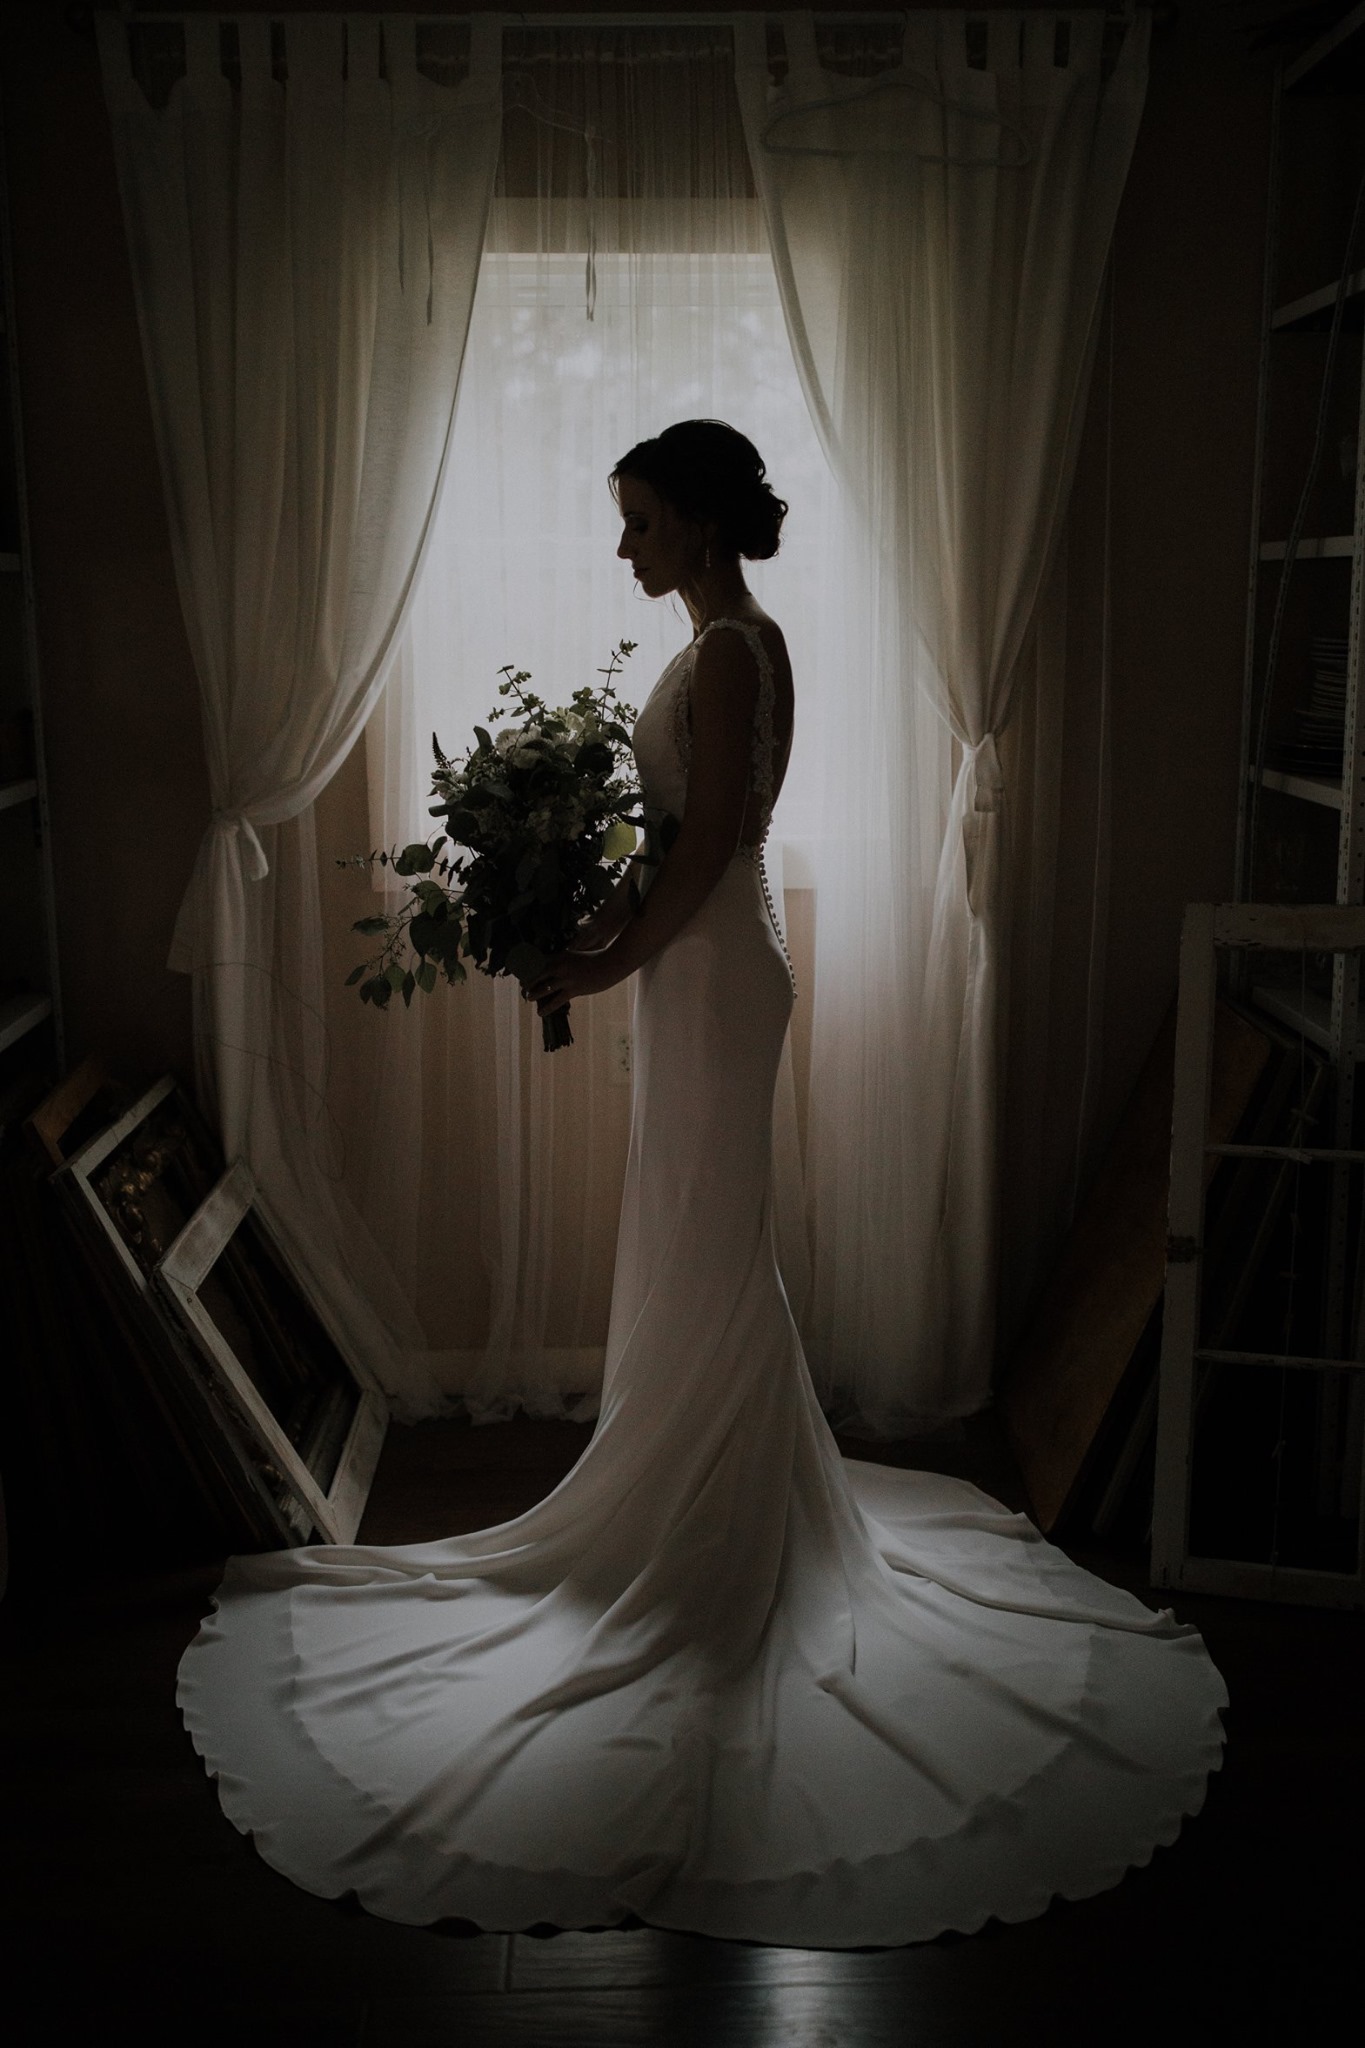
column 569, row 976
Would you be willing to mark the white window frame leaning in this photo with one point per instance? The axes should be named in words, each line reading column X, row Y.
column 1208, row 927
column 335, row 1511
column 173, row 1366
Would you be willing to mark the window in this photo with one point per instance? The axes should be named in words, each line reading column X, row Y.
column 521, row 567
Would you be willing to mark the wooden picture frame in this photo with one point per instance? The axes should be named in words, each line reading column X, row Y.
column 321, row 1422
column 143, row 1176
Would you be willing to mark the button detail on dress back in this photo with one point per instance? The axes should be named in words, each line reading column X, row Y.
column 761, row 763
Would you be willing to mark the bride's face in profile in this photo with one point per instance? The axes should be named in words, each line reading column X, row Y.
column 660, row 545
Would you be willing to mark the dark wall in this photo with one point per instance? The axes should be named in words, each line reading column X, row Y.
column 128, row 786
column 1187, row 278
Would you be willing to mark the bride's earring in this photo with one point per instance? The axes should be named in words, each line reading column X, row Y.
column 708, row 554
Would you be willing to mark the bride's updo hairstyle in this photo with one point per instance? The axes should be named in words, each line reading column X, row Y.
column 707, row 471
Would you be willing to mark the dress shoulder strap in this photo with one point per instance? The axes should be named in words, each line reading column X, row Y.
column 762, row 759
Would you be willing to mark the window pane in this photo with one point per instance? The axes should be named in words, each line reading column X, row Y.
column 522, row 567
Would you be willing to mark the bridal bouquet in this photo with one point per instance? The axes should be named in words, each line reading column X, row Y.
column 537, row 824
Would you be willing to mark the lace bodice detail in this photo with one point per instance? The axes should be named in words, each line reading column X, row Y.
column 662, row 738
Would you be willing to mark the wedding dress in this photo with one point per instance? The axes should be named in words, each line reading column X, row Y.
column 719, row 1678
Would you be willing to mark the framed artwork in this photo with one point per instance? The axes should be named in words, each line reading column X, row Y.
column 293, row 1429
column 145, row 1174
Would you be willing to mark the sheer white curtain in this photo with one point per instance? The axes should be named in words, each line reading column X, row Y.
column 491, row 1171
column 305, row 237
column 940, row 232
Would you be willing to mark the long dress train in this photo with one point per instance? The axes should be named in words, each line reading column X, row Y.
column 718, row 1678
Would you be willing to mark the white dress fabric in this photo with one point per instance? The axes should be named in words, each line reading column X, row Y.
column 718, row 1678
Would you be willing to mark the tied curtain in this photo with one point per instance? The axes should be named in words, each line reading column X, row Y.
column 305, row 212
column 940, row 229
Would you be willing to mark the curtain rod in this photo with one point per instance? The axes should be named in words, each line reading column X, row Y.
column 684, row 18
column 663, row 17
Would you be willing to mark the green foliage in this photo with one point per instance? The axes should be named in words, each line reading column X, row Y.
column 535, row 826
column 418, row 859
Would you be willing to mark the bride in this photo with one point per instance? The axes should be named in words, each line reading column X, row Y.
column 718, row 1678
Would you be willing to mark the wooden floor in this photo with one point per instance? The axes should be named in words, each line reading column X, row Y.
column 135, row 1911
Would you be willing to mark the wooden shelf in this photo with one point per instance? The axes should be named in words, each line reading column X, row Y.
column 1309, row 1013
column 34, row 984
column 1327, row 45
column 12, row 793
column 1313, row 789
column 1324, row 548
column 1314, row 309
column 20, row 1014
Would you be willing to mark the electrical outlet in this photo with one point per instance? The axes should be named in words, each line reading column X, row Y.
column 620, row 1059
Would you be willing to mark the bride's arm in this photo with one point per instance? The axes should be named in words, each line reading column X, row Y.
column 723, row 694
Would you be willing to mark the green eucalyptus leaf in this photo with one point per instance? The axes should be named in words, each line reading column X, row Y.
column 445, row 942
column 416, row 859
column 618, row 841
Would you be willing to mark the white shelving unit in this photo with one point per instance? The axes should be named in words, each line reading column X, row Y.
column 1333, row 547
column 1328, row 567
column 1301, row 835
column 31, row 1046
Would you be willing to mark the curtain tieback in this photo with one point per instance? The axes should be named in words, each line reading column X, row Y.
column 230, row 823
column 987, row 774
